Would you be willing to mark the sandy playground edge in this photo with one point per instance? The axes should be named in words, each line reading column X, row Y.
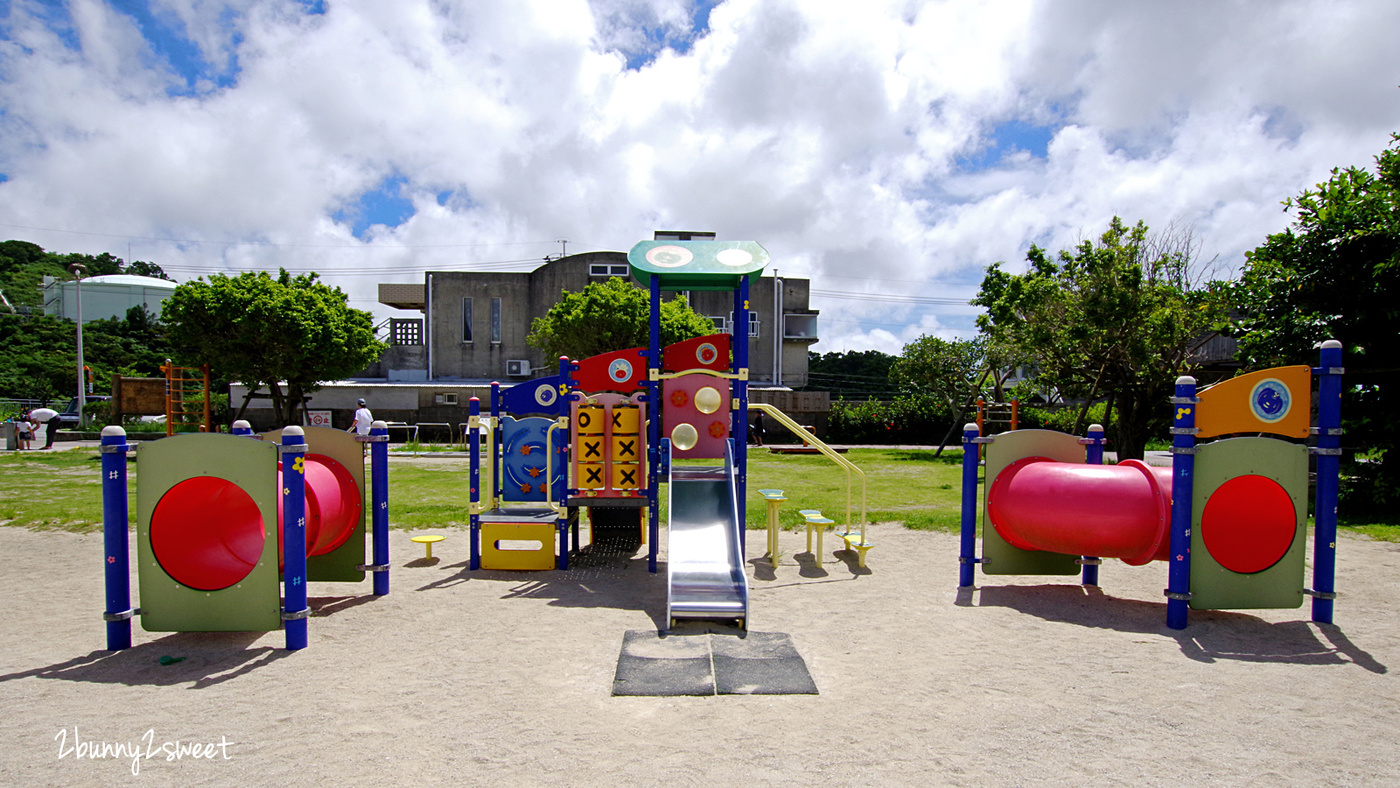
column 494, row 678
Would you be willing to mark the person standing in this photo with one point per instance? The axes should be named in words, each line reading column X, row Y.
column 363, row 419
column 756, row 429
column 24, row 430
column 49, row 418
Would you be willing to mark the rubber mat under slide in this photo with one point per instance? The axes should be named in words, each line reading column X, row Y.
column 760, row 663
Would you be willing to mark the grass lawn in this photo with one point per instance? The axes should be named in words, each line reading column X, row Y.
column 911, row 487
column 62, row 490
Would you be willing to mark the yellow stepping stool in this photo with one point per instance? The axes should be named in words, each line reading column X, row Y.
column 816, row 522
column 774, row 499
column 857, row 542
column 428, row 540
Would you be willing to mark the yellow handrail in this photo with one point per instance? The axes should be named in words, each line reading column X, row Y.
column 832, row 454
column 560, row 423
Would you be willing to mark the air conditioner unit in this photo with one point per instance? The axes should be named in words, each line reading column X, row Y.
column 518, row 368
column 445, row 399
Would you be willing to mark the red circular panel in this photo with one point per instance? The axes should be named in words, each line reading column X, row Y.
column 207, row 533
column 1248, row 524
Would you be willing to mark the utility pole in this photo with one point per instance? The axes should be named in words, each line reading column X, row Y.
column 563, row 247
column 79, row 271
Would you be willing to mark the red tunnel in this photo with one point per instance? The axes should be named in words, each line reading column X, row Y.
column 1110, row 511
column 207, row 533
column 1124, row 511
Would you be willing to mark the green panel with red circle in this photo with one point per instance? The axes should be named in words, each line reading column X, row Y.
column 337, row 552
column 1249, row 524
column 206, row 534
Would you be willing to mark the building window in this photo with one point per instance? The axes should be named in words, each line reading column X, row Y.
column 607, row 269
column 466, row 321
column 406, row 332
column 753, row 322
column 721, row 323
column 495, row 321
column 799, row 326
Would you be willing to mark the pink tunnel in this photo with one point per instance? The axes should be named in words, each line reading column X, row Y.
column 207, row 533
column 1108, row 511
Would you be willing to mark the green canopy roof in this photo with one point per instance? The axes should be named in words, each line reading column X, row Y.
column 697, row 265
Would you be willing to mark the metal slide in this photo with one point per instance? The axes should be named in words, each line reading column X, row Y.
column 705, row 563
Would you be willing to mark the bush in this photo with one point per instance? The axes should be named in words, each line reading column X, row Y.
column 1061, row 418
column 904, row 420
column 98, row 414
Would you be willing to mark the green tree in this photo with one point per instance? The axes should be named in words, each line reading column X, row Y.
column 852, row 375
column 38, row 357
column 609, row 316
column 267, row 331
column 944, row 372
column 132, row 346
column 1117, row 318
column 1335, row 274
column 24, row 265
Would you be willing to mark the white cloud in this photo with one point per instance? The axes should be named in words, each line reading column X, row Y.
column 842, row 136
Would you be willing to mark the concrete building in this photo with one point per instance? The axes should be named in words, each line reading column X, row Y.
column 105, row 296
column 474, row 324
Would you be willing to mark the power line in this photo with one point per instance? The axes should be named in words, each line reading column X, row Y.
column 271, row 244
column 416, row 270
column 889, row 298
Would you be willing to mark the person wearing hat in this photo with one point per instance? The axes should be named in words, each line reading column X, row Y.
column 363, row 418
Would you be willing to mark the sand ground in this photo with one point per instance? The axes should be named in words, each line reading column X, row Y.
column 493, row 678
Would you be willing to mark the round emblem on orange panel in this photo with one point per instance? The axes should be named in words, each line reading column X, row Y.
column 717, row 429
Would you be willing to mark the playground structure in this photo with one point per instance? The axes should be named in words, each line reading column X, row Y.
column 186, row 397
column 1229, row 516
column 617, row 426
column 993, row 413
column 208, row 558
column 525, row 465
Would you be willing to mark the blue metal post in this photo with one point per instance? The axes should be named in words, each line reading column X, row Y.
column 115, row 540
column 654, row 425
column 1093, row 455
column 495, row 458
column 561, row 522
column 242, row 429
column 1183, row 479
column 967, row 555
column 379, row 502
column 740, row 422
column 474, row 463
column 564, row 410
column 294, row 610
column 1329, row 442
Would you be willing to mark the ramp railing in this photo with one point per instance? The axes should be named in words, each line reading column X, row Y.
column 832, row 454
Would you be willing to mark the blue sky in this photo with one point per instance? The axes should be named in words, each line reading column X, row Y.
column 887, row 150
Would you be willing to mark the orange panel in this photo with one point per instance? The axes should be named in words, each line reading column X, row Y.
column 1277, row 401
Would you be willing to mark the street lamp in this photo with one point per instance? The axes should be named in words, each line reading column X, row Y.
column 79, row 271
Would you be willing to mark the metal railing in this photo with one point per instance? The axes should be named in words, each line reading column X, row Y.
column 832, row 454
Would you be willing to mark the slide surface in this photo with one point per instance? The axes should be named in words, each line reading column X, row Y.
column 705, row 565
